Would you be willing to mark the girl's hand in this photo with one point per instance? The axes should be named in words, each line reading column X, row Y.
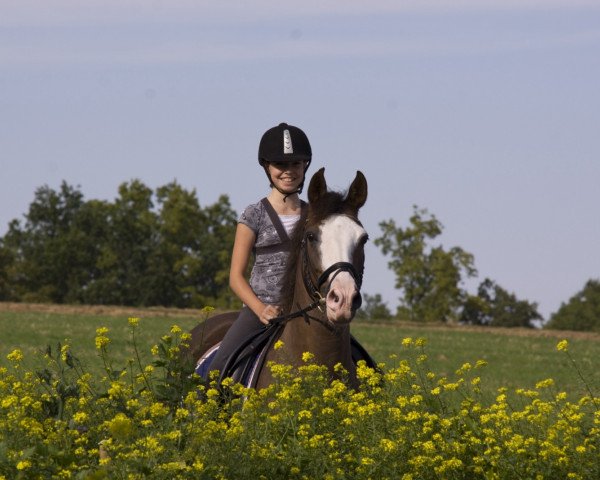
column 269, row 313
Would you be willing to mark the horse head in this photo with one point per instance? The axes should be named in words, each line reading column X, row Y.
column 333, row 245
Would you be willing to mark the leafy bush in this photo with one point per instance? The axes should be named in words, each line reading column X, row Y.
column 157, row 421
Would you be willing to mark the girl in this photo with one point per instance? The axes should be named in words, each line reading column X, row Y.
column 264, row 229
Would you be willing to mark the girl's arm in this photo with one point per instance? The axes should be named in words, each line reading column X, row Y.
column 242, row 249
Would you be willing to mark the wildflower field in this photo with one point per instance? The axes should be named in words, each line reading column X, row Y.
column 106, row 396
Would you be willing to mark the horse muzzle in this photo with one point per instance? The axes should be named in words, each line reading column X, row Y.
column 343, row 298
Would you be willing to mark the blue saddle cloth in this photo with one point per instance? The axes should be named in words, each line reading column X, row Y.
column 246, row 362
column 243, row 366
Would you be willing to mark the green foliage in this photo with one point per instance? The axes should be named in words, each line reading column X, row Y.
column 429, row 277
column 373, row 308
column 406, row 421
column 6, row 261
column 515, row 357
column 581, row 312
column 494, row 306
column 124, row 252
column 46, row 252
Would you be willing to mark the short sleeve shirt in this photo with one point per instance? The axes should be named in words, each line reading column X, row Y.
column 269, row 267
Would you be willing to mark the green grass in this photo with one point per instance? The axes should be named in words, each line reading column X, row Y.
column 514, row 360
column 32, row 332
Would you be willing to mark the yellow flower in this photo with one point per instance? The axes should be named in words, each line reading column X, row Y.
column 278, row 345
column 304, row 414
column 23, row 465
column 407, row 342
column 120, row 426
column 102, row 340
column 133, row 321
column 15, row 356
column 80, row 417
column 562, row 346
column 158, row 410
column 307, row 357
column 544, row 383
column 175, row 329
column 64, row 352
column 387, row 445
column 115, row 390
column 9, row 402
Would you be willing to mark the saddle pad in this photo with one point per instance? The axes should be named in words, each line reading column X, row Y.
column 246, row 373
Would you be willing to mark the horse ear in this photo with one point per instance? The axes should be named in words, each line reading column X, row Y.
column 317, row 186
column 357, row 193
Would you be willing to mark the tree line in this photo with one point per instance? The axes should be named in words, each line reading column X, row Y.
column 144, row 248
column 149, row 248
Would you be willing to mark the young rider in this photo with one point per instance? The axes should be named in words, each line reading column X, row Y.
column 264, row 229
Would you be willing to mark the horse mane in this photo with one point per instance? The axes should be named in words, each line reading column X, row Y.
column 330, row 203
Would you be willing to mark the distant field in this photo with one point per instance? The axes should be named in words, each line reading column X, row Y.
column 516, row 358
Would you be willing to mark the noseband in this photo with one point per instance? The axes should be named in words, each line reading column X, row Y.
column 315, row 290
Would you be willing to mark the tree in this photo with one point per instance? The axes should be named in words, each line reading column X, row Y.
column 43, row 254
column 195, row 248
column 6, row 263
column 373, row 308
column 581, row 312
column 125, row 252
column 496, row 307
column 429, row 277
column 218, row 234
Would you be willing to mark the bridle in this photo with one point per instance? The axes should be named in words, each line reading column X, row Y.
column 314, row 291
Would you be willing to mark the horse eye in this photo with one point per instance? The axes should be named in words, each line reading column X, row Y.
column 311, row 237
column 364, row 239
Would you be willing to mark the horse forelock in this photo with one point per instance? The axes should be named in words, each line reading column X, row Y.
column 330, row 203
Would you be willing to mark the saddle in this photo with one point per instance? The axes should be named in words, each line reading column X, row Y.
column 246, row 362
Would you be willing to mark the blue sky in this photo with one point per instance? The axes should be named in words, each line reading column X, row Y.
column 486, row 113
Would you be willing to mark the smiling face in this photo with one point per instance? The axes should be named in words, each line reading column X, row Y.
column 287, row 176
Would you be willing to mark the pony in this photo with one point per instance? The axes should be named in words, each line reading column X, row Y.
column 321, row 292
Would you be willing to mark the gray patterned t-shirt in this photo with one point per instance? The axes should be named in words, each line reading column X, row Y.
column 268, row 269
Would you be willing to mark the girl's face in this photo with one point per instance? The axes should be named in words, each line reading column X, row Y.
column 287, row 176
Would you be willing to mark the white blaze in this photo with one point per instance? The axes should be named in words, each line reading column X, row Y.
column 339, row 236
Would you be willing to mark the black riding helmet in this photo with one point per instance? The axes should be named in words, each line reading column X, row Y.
column 284, row 143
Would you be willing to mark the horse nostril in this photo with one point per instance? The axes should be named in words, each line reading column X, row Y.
column 333, row 296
